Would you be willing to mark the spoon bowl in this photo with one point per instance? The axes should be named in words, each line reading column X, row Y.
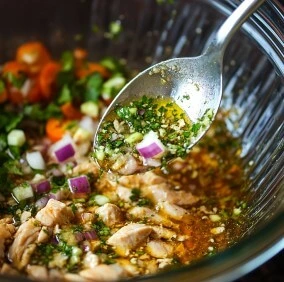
column 194, row 84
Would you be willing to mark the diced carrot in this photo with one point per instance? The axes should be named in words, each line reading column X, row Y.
column 34, row 55
column 15, row 68
column 89, row 68
column 55, row 129
column 80, row 54
column 70, row 112
column 47, row 78
column 34, row 95
column 15, row 96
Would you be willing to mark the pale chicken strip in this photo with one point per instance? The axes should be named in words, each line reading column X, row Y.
column 54, row 213
column 37, row 272
column 163, row 192
column 173, row 211
column 129, row 237
column 103, row 272
column 6, row 232
column 24, row 243
column 110, row 214
column 149, row 215
column 160, row 249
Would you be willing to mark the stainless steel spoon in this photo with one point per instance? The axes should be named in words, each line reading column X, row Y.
column 195, row 84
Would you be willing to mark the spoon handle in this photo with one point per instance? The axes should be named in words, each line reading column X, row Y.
column 224, row 34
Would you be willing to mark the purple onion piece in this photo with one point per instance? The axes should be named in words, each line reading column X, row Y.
column 79, row 184
column 41, row 203
column 90, row 235
column 79, row 236
column 42, row 187
column 150, row 151
column 54, row 240
column 64, row 153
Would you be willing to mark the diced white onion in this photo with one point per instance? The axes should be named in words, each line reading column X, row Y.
column 35, row 160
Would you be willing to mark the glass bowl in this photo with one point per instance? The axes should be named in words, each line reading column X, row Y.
column 253, row 87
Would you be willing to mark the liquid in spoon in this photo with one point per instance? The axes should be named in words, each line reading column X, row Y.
column 144, row 134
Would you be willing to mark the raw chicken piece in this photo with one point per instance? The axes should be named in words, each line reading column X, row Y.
column 148, row 178
column 24, row 243
column 7, row 269
column 6, row 232
column 160, row 249
column 44, row 235
column 150, row 215
column 162, row 232
column 72, row 277
column 129, row 237
column 123, row 193
column 173, row 211
column 162, row 192
column 37, row 272
column 103, row 272
column 110, row 214
column 55, row 212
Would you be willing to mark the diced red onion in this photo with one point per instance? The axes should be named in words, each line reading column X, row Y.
column 151, row 146
column 87, row 235
column 54, row 240
column 63, row 149
column 141, row 112
column 79, row 236
column 64, row 153
column 90, row 235
column 42, row 187
column 79, row 184
column 41, row 203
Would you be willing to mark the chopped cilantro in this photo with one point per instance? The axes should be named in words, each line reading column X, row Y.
column 39, row 113
column 2, row 86
column 64, row 95
column 102, row 230
column 17, row 81
column 136, row 197
column 135, row 194
column 93, row 87
column 67, row 61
